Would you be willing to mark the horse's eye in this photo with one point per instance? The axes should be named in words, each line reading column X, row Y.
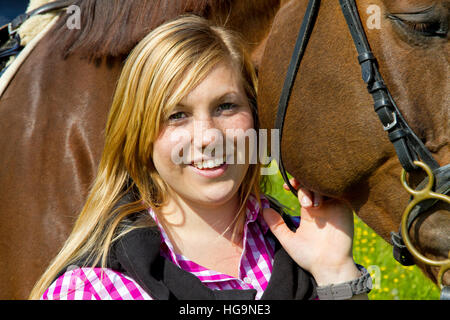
column 428, row 29
column 428, row 23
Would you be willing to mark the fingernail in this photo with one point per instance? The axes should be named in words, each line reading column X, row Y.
column 316, row 202
column 318, row 198
column 306, row 202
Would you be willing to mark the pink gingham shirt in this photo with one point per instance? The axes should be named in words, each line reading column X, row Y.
column 255, row 268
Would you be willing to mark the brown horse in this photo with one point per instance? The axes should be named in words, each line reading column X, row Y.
column 55, row 109
column 341, row 149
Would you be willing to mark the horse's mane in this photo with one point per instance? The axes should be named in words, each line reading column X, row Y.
column 113, row 27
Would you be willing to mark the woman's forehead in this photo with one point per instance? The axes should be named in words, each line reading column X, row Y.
column 222, row 81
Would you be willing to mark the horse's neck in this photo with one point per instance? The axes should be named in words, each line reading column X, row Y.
column 252, row 19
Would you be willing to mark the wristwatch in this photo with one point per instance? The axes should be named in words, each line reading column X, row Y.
column 346, row 290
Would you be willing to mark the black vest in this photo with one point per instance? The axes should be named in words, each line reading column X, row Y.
column 137, row 254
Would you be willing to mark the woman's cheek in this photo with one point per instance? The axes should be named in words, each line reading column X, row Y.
column 241, row 133
column 170, row 148
column 179, row 145
column 242, row 120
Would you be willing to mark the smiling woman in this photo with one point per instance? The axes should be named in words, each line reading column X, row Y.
column 198, row 75
column 152, row 228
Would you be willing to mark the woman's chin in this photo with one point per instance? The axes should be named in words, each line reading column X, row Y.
column 213, row 195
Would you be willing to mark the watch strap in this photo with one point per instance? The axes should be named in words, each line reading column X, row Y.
column 346, row 290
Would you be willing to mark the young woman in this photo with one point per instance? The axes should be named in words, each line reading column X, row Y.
column 172, row 213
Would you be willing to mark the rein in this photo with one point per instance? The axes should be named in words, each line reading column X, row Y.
column 408, row 146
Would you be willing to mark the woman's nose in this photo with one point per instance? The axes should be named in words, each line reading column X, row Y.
column 206, row 133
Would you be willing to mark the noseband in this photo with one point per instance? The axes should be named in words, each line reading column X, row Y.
column 408, row 146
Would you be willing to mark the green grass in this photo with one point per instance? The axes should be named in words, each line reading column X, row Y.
column 391, row 280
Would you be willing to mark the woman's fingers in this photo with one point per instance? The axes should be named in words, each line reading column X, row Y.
column 309, row 198
column 318, row 200
column 293, row 183
column 306, row 197
column 277, row 225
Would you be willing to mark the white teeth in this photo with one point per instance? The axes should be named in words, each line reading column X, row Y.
column 209, row 164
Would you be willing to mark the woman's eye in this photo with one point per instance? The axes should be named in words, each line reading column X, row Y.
column 177, row 116
column 226, row 106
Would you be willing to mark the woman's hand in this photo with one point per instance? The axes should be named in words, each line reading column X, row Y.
column 322, row 244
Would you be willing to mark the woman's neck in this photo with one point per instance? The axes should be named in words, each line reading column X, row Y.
column 188, row 222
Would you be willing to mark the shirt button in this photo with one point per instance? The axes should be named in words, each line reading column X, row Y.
column 247, row 280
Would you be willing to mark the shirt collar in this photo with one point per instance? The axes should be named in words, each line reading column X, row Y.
column 253, row 213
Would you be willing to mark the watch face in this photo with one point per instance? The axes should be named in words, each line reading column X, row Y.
column 368, row 283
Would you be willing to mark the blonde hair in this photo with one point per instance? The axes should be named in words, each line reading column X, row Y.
column 163, row 68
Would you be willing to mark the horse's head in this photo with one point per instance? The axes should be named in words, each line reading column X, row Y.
column 333, row 141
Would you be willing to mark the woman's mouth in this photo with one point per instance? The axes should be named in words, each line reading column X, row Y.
column 212, row 168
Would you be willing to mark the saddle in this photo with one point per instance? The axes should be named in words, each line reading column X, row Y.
column 10, row 44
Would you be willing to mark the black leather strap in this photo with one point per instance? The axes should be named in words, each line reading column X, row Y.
column 297, row 55
column 407, row 145
column 400, row 251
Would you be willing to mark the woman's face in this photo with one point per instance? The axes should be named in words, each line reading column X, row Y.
column 199, row 152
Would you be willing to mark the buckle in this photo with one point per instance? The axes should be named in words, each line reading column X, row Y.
column 15, row 24
column 11, row 31
column 389, row 126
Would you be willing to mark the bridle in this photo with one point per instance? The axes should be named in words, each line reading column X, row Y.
column 408, row 146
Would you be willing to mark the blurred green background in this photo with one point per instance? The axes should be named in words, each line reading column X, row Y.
column 391, row 280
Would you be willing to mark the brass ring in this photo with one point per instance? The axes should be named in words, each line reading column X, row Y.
column 419, row 196
column 429, row 185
